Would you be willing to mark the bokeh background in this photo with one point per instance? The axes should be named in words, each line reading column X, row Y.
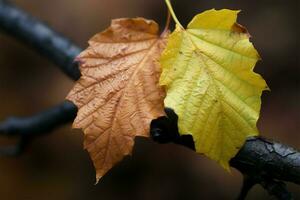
column 56, row 167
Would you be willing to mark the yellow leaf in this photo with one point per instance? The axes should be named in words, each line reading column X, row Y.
column 118, row 94
column 208, row 74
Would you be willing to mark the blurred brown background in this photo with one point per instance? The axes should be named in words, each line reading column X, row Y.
column 56, row 167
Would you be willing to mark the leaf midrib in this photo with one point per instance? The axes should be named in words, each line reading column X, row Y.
column 151, row 49
column 207, row 71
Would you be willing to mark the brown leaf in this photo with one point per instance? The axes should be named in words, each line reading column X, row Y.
column 118, row 94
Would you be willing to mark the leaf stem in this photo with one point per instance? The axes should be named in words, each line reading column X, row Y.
column 169, row 5
column 166, row 29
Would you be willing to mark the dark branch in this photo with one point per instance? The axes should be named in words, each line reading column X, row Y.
column 16, row 150
column 277, row 189
column 15, row 22
column 264, row 162
column 266, row 159
column 260, row 161
column 40, row 123
column 29, row 127
column 259, row 158
column 248, row 183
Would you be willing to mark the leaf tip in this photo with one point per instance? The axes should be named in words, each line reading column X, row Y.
column 225, row 165
column 97, row 179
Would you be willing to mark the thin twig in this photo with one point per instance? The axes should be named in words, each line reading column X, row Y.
column 248, row 183
column 18, row 149
column 277, row 189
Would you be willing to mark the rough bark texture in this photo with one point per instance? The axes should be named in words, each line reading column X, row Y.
column 268, row 159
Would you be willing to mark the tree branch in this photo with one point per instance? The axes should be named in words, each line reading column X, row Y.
column 17, row 149
column 248, row 183
column 277, row 189
column 41, row 122
column 37, row 125
column 58, row 49
column 259, row 158
column 263, row 161
column 262, row 158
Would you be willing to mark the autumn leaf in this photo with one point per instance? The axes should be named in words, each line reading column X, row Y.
column 208, row 74
column 118, row 94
